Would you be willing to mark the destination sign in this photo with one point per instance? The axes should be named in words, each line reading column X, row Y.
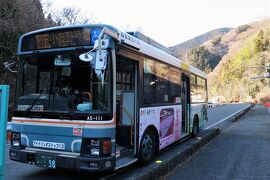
column 61, row 38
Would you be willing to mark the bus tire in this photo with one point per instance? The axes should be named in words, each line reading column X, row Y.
column 148, row 147
column 195, row 128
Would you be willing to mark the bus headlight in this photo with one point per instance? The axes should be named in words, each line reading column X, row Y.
column 95, row 151
column 15, row 143
column 15, row 139
column 97, row 147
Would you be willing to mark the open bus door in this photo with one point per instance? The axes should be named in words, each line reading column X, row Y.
column 126, row 105
column 185, row 99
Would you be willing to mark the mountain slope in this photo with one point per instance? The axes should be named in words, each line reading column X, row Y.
column 247, row 46
column 229, row 57
column 197, row 41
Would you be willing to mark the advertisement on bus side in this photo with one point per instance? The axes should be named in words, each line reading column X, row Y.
column 166, row 119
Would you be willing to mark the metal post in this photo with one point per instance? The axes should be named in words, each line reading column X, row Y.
column 4, row 94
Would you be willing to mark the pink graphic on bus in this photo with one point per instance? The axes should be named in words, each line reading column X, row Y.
column 166, row 122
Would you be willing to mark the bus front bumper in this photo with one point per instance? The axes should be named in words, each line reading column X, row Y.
column 62, row 160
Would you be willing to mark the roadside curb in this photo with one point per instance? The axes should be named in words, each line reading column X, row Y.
column 166, row 166
column 241, row 113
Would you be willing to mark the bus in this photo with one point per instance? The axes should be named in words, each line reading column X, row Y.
column 95, row 98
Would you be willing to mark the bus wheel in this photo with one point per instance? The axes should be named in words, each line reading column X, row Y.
column 195, row 128
column 148, row 147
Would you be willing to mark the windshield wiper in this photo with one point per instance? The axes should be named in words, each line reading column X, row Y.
column 38, row 98
column 34, row 102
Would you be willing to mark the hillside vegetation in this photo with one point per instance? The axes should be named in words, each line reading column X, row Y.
column 247, row 47
column 194, row 52
column 197, row 41
column 229, row 58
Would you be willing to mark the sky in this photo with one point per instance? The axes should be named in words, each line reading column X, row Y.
column 171, row 22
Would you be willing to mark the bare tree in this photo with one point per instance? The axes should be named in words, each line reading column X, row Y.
column 70, row 16
column 66, row 15
column 131, row 28
column 31, row 15
column 8, row 28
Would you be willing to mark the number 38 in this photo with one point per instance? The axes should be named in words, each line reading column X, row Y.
column 52, row 164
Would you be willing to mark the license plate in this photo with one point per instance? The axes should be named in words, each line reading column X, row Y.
column 46, row 161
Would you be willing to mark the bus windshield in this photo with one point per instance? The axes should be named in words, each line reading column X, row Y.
column 47, row 86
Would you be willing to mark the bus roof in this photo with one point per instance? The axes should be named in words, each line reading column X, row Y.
column 131, row 40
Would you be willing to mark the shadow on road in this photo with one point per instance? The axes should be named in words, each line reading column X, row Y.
column 49, row 174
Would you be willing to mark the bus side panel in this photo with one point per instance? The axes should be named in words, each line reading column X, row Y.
column 167, row 121
column 200, row 110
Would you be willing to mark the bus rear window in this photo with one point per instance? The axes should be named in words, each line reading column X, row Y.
column 60, row 38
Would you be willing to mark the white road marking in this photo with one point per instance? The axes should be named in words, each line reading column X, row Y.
column 224, row 119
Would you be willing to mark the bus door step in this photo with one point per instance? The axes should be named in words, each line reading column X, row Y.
column 124, row 161
column 123, row 152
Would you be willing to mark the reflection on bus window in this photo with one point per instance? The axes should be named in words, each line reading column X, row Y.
column 161, row 83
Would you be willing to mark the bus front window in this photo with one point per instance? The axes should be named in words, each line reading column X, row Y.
column 69, row 88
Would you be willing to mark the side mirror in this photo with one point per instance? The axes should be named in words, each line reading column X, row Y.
column 98, row 58
column 8, row 66
column 101, row 64
column 101, row 59
column 98, row 61
column 101, row 44
column 87, row 57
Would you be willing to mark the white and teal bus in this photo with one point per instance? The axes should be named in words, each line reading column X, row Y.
column 91, row 97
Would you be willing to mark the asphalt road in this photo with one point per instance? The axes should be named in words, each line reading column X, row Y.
column 14, row 170
column 219, row 114
column 240, row 152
